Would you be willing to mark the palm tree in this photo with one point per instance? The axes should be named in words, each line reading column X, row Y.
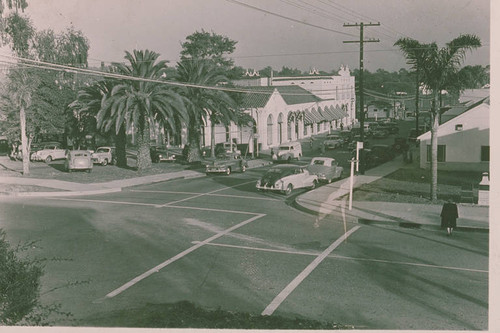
column 218, row 106
column 21, row 86
column 89, row 102
column 436, row 65
column 139, row 104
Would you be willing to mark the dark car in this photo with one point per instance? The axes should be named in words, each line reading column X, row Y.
column 159, row 154
column 4, row 147
column 400, row 145
column 226, row 163
column 391, row 128
column 378, row 154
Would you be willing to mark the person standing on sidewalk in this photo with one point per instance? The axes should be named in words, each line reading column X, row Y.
column 449, row 215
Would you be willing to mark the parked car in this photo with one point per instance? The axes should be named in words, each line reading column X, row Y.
column 4, row 146
column 226, row 163
column 400, row 145
column 286, row 178
column 159, row 154
column 333, row 141
column 326, row 168
column 104, row 155
column 380, row 133
column 36, row 146
column 378, row 154
column 226, row 147
column 49, row 153
column 288, row 151
column 391, row 128
column 78, row 160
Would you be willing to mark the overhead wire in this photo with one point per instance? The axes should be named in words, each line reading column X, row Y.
column 289, row 18
column 69, row 69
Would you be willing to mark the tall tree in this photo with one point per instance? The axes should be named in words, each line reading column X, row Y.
column 209, row 46
column 137, row 104
column 437, row 65
column 215, row 105
column 20, row 90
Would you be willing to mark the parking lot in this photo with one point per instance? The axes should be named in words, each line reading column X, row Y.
column 219, row 243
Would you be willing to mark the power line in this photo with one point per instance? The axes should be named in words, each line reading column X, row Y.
column 65, row 68
column 288, row 18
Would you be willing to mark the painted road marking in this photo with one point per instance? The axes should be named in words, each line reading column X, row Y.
column 213, row 195
column 108, row 201
column 334, row 256
column 269, row 310
column 203, row 194
column 179, row 256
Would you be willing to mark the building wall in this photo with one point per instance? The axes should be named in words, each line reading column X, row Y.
column 463, row 147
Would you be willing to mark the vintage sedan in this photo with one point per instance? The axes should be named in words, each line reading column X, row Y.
column 326, row 168
column 78, row 160
column 104, row 155
column 49, row 153
column 226, row 163
column 286, row 178
column 333, row 141
column 159, row 154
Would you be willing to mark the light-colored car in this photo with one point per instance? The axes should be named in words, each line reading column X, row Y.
column 326, row 168
column 226, row 163
column 333, row 141
column 49, row 153
column 286, row 178
column 104, row 155
column 288, row 151
column 78, row 160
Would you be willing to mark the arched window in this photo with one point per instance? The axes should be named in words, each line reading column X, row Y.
column 270, row 130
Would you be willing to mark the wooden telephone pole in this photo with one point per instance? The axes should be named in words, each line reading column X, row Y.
column 361, row 92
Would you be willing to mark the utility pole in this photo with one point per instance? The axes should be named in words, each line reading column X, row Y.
column 361, row 93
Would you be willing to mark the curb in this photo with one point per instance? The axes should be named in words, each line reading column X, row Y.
column 60, row 193
column 413, row 225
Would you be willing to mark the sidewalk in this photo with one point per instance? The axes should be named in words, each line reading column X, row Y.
column 332, row 198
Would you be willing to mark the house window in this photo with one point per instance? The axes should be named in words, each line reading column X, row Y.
column 459, row 127
column 485, row 153
column 441, row 153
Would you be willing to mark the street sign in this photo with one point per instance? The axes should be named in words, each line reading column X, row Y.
column 359, row 145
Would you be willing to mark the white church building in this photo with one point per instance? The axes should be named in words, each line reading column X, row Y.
column 287, row 109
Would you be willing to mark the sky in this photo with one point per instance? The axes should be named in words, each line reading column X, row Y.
column 275, row 37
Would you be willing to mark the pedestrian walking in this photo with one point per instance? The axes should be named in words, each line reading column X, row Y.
column 341, row 126
column 449, row 215
column 311, row 140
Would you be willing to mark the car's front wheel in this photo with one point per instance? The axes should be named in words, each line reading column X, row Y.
column 105, row 162
column 48, row 159
column 288, row 189
column 228, row 171
column 314, row 184
column 243, row 168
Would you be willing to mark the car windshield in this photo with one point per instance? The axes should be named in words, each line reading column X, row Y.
column 319, row 162
column 80, row 155
column 102, row 150
column 280, row 172
column 284, row 148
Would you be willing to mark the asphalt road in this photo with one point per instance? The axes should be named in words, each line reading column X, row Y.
column 218, row 242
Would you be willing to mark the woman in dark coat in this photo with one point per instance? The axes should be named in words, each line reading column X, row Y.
column 449, row 215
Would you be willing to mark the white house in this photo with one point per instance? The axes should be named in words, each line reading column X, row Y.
column 463, row 141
